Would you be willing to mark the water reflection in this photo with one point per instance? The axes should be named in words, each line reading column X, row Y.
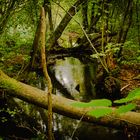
column 70, row 129
column 76, row 77
column 77, row 80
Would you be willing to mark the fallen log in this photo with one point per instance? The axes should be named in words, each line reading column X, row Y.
column 62, row 105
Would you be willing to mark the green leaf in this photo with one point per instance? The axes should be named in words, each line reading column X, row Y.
column 93, row 103
column 100, row 112
column 100, row 102
column 123, row 100
column 80, row 104
column 126, row 108
column 97, row 55
column 134, row 94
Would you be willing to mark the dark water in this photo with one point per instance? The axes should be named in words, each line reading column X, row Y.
column 78, row 80
column 69, row 129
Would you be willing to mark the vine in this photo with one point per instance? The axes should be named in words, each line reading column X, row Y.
column 48, row 79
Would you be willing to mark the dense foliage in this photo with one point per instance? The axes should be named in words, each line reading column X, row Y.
column 105, row 30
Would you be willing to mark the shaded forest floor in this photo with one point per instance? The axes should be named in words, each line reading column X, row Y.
column 129, row 77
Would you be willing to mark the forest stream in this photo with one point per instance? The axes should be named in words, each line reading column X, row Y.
column 78, row 81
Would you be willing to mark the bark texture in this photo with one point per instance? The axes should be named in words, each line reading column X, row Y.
column 45, row 71
column 63, row 105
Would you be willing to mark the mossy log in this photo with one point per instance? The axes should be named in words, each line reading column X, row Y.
column 63, row 105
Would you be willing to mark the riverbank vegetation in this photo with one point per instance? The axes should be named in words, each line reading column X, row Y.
column 102, row 34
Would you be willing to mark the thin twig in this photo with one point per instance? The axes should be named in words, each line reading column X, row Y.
column 78, row 125
column 124, row 87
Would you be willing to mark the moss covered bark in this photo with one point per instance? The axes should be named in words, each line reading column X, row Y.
column 63, row 105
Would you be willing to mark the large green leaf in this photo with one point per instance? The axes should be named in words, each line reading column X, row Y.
column 100, row 102
column 134, row 94
column 94, row 103
column 123, row 100
column 126, row 108
column 100, row 112
column 80, row 104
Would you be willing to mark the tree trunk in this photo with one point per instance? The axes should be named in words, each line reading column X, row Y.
column 63, row 105
column 47, row 6
column 85, row 15
column 63, row 24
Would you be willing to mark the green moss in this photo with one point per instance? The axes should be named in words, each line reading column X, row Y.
column 8, row 83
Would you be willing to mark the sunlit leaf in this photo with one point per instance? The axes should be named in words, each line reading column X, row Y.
column 123, row 100
column 97, row 55
column 100, row 102
column 134, row 94
column 100, row 112
column 80, row 104
column 126, row 108
column 93, row 103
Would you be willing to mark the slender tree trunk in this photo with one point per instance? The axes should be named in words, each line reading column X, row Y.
column 47, row 6
column 94, row 18
column 85, row 15
column 45, row 71
column 126, row 13
column 127, row 20
column 137, row 20
column 35, row 47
